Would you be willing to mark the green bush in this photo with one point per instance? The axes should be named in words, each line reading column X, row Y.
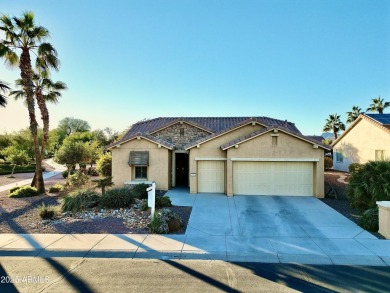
column 165, row 221
column 116, row 198
column 80, row 200
column 6, row 169
column 369, row 184
column 78, row 179
column 163, row 201
column 104, row 165
column 25, row 191
column 14, row 189
column 355, row 167
column 47, row 212
column 370, row 220
column 56, row 188
column 92, row 171
column 65, row 173
column 139, row 190
column 82, row 165
column 328, row 163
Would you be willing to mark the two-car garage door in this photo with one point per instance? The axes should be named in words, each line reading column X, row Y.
column 273, row 178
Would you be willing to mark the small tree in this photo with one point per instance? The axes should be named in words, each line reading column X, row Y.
column 70, row 153
column 92, row 152
column 103, row 183
column 104, row 165
column 15, row 156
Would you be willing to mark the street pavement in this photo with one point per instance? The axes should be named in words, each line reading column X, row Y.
column 26, row 274
column 57, row 170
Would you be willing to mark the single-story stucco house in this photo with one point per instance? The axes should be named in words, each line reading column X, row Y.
column 230, row 155
column 366, row 139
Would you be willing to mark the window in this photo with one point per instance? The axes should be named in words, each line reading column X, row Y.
column 141, row 172
column 339, row 157
column 380, row 155
column 181, row 131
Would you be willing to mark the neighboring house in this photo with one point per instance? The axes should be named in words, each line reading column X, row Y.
column 366, row 139
column 231, row 155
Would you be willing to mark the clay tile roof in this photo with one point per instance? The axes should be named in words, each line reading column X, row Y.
column 215, row 125
column 144, row 135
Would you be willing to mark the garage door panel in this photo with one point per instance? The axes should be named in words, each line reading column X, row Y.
column 273, row 178
column 211, row 176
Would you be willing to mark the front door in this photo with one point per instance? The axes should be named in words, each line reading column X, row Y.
column 181, row 169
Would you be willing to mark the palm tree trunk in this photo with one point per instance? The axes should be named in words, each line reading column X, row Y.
column 26, row 74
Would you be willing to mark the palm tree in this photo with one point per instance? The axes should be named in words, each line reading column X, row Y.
column 3, row 88
column 334, row 124
column 24, row 37
column 45, row 90
column 379, row 105
column 354, row 114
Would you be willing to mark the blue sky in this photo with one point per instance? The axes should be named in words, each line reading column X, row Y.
column 128, row 60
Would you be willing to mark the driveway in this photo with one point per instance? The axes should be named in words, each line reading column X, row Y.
column 277, row 229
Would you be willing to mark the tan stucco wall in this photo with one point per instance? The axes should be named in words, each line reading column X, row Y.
column 158, row 169
column 212, row 149
column 287, row 147
column 359, row 145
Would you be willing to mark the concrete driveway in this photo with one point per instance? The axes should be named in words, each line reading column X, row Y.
column 277, row 229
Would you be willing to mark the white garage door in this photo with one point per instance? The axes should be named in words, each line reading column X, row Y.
column 273, row 178
column 211, row 176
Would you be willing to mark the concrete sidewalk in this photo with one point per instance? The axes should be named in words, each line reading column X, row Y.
column 227, row 248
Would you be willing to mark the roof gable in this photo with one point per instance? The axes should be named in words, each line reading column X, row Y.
column 273, row 129
column 374, row 119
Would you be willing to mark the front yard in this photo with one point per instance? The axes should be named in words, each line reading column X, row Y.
column 20, row 215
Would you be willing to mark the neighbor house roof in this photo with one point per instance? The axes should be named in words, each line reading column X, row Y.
column 213, row 125
column 380, row 120
column 272, row 129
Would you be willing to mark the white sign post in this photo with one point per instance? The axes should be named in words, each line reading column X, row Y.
column 152, row 197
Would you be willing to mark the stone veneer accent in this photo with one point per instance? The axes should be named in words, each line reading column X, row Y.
column 172, row 134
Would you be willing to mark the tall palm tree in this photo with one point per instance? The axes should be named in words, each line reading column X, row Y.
column 3, row 89
column 354, row 114
column 378, row 105
column 334, row 124
column 23, row 37
column 45, row 90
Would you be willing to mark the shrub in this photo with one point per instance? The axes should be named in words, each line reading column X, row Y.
column 78, row 179
column 165, row 221
column 116, row 198
column 79, row 200
column 65, row 173
column 328, row 163
column 47, row 212
column 104, row 165
column 139, row 190
column 56, row 188
column 369, row 184
column 370, row 220
column 163, row 201
column 14, row 189
column 25, row 191
column 92, row 171
column 103, row 183
column 355, row 167
column 82, row 165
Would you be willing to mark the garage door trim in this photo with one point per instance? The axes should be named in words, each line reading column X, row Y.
column 275, row 159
